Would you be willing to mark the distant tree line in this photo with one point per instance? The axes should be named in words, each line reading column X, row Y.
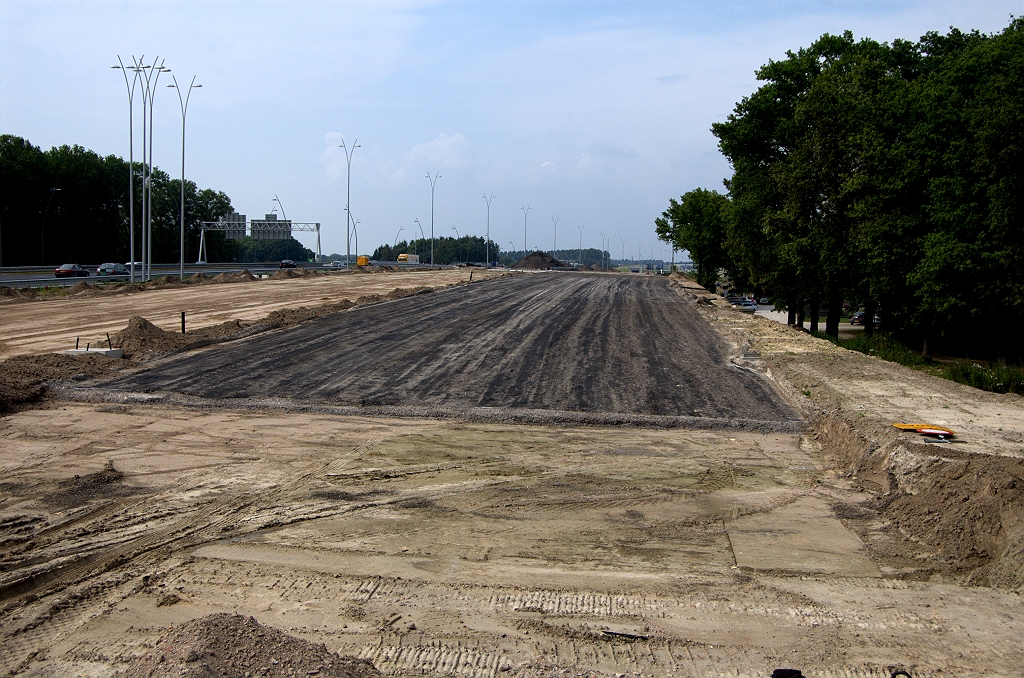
column 86, row 220
column 888, row 176
column 446, row 250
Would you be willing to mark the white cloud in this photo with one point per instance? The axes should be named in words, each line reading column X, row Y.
column 443, row 151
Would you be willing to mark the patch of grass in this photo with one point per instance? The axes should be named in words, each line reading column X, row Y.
column 1000, row 378
column 881, row 345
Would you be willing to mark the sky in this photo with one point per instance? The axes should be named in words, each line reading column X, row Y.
column 592, row 113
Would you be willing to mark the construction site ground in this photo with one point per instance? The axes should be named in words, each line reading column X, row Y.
column 632, row 539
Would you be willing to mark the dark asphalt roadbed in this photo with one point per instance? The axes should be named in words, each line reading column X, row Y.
column 567, row 342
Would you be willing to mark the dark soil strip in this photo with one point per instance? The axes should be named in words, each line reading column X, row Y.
column 562, row 342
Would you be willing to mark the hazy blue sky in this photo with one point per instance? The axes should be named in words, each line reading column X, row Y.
column 594, row 112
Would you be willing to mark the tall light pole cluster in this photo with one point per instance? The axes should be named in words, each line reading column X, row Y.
column 433, row 183
column 146, row 77
column 526, row 213
column 487, row 242
column 349, row 152
column 183, row 103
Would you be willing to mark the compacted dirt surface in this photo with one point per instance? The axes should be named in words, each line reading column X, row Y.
column 157, row 533
column 593, row 343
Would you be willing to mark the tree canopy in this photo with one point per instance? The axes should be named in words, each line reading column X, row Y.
column 87, row 219
column 884, row 175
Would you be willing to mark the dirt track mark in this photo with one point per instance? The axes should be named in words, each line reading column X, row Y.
column 587, row 343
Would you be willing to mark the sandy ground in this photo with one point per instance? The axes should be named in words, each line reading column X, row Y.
column 605, row 550
column 471, row 549
column 39, row 326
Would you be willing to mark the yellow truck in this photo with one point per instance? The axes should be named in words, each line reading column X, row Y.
column 362, row 260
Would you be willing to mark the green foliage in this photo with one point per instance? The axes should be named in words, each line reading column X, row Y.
column 881, row 345
column 88, row 218
column 697, row 222
column 886, row 175
column 248, row 250
column 999, row 378
column 468, row 248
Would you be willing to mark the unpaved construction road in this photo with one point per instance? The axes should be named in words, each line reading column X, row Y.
column 590, row 343
column 469, row 548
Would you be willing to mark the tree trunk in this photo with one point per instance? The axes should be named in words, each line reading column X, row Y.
column 815, row 312
column 869, row 318
column 835, row 309
column 792, row 313
column 926, row 351
column 800, row 314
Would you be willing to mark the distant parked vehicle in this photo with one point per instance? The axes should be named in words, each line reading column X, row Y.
column 336, row 264
column 70, row 271
column 111, row 270
column 858, row 318
column 287, row 263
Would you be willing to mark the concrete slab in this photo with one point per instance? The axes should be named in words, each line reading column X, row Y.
column 109, row 352
column 804, row 536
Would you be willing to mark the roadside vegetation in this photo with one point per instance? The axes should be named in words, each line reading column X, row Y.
column 997, row 377
column 87, row 219
column 883, row 175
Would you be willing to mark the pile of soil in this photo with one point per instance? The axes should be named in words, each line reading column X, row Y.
column 142, row 339
column 198, row 278
column 288, row 273
column 241, row 276
column 17, row 294
column 236, row 646
column 78, row 288
column 403, row 292
column 538, row 261
column 228, row 328
column 23, row 379
column 78, row 490
column 286, row 317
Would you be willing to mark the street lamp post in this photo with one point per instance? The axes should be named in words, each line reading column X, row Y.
column 623, row 250
column 526, row 213
column 511, row 248
column 554, row 245
column 433, row 183
column 422, row 236
column 458, row 240
column 131, row 160
column 151, row 75
column 279, row 203
column 42, row 236
column 581, row 244
column 348, row 200
column 487, row 244
column 400, row 229
column 183, row 103
column 602, row 251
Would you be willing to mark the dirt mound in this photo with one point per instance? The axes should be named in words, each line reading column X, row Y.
column 402, row 292
column 78, row 288
column 286, row 317
column 236, row 646
column 23, row 378
column 538, row 261
column 242, row 276
column 225, row 329
column 142, row 339
column 369, row 299
column 13, row 293
column 78, row 490
column 288, row 273
column 198, row 278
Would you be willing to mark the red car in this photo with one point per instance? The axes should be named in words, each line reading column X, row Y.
column 69, row 271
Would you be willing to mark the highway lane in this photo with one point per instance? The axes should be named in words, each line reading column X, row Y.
column 38, row 276
column 555, row 341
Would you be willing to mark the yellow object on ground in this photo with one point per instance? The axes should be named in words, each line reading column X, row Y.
column 925, row 428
